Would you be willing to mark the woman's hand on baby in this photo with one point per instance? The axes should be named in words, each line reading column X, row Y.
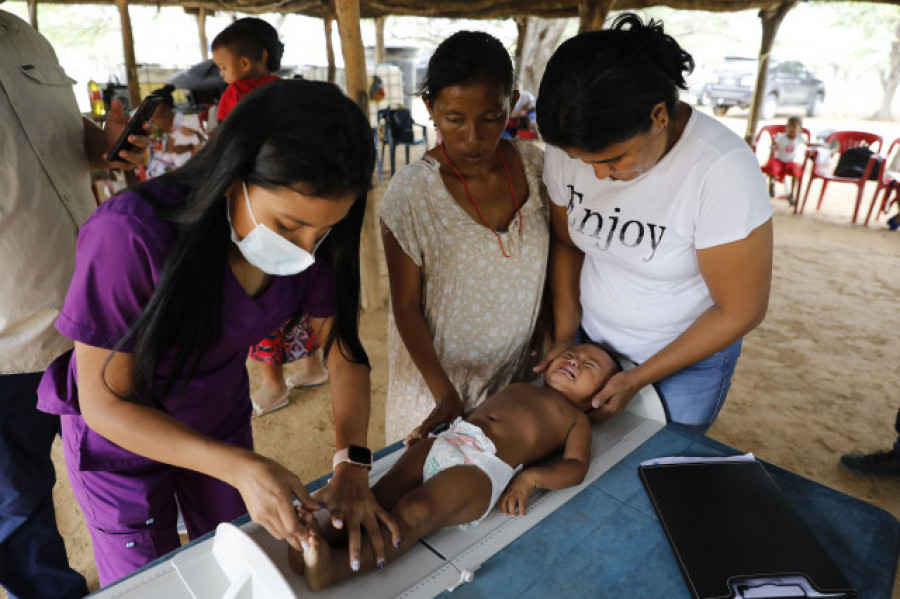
column 448, row 409
column 512, row 501
column 614, row 396
column 553, row 352
column 268, row 489
column 353, row 508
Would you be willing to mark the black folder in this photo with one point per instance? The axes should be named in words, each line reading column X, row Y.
column 730, row 525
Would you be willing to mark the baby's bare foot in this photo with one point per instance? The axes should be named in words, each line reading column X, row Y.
column 317, row 561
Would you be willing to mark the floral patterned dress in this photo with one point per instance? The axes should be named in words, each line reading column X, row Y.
column 480, row 307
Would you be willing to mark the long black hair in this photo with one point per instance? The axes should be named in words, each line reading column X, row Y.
column 467, row 56
column 600, row 87
column 303, row 135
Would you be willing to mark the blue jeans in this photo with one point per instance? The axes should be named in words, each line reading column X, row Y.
column 694, row 395
column 32, row 553
column 897, row 428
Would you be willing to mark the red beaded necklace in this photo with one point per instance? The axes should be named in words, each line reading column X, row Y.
column 474, row 203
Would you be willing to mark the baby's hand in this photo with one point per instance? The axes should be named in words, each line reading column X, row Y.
column 512, row 501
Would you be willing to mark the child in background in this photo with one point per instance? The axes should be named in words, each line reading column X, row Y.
column 247, row 53
column 788, row 153
column 177, row 136
column 458, row 476
column 185, row 138
column 161, row 160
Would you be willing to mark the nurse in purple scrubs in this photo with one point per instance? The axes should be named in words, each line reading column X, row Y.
column 173, row 281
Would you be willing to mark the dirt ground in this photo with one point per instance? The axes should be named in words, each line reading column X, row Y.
column 815, row 380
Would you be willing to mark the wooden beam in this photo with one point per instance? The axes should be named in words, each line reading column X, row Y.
column 771, row 21
column 347, row 13
column 201, row 33
column 379, row 39
column 32, row 14
column 592, row 13
column 134, row 91
column 329, row 48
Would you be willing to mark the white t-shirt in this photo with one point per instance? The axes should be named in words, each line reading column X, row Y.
column 786, row 149
column 641, row 285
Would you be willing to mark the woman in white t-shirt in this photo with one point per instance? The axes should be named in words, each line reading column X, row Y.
column 662, row 224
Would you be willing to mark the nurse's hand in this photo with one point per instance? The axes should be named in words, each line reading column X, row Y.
column 446, row 411
column 267, row 489
column 614, row 396
column 353, row 508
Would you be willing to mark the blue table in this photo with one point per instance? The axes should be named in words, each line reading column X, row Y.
column 606, row 541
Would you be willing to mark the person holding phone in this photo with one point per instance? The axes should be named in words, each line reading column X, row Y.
column 47, row 150
column 173, row 281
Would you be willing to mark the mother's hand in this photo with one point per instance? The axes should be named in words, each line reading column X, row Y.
column 553, row 352
column 353, row 507
column 614, row 396
column 448, row 409
column 267, row 489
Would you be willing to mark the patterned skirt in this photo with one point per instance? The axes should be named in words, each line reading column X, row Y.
column 290, row 342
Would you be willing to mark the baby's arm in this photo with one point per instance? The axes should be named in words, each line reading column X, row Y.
column 567, row 472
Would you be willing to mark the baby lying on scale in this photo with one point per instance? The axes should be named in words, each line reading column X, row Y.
column 458, row 476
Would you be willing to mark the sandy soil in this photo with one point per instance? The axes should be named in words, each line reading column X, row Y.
column 815, row 380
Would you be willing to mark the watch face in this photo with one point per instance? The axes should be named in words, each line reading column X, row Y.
column 360, row 455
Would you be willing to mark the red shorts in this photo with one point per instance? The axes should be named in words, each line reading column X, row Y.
column 778, row 169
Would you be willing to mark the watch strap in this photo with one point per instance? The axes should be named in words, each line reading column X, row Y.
column 353, row 454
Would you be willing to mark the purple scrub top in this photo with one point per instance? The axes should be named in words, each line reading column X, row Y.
column 119, row 258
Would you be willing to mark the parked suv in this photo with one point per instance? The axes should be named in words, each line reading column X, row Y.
column 789, row 83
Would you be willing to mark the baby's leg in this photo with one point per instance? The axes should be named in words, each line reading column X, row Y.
column 455, row 496
column 404, row 476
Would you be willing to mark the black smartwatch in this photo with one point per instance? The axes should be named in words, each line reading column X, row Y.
column 353, row 454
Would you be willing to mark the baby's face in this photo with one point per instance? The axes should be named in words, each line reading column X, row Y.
column 791, row 129
column 580, row 372
column 231, row 67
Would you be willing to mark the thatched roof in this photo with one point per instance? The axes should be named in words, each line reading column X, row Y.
column 485, row 9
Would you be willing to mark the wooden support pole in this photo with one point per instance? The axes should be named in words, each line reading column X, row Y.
column 329, row 48
column 771, row 21
column 32, row 14
column 134, row 91
column 592, row 13
column 347, row 13
column 379, row 39
column 522, row 31
column 201, row 33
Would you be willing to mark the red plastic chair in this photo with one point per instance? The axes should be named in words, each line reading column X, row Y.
column 844, row 141
column 888, row 182
column 772, row 131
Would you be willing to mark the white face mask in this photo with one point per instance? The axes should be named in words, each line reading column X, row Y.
column 267, row 250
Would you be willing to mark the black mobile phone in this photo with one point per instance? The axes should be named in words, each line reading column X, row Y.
column 135, row 126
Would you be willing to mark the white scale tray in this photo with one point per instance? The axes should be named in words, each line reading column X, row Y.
column 247, row 563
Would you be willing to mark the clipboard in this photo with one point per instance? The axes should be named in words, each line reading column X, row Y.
column 735, row 535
